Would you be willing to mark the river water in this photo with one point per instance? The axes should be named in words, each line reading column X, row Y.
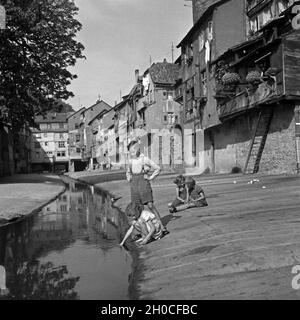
column 67, row 251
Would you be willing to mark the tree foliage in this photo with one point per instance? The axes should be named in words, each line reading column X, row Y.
column 36, row 51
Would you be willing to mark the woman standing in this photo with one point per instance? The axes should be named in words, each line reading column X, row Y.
column 138, row 176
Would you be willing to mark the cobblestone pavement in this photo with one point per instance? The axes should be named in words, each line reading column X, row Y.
column 242, row 246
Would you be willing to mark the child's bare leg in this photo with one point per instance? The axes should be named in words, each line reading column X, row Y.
column 174, row 205
column 152, row 207
column 143, row 228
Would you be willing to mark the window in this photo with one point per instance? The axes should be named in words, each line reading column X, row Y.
column 63, row 208
column 76, row 126
column 61, row 126
column 266, row 15
column 49, row 153
column 254, row 24
column 204, row 83
column 142, row 115
column 78, row 150
column 61, row 136
column 61, row 154
column 37, row 155
column 61, row 144
column 170, row 118
column 77, row 137
column 45, row 135
column 201, row 41
column 46, row 144
column 169, row 106
column 210, row 31
column 36, row 145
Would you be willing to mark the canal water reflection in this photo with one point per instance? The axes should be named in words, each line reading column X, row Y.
column 68, row 251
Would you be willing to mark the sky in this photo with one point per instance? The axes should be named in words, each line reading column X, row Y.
column 119, row 37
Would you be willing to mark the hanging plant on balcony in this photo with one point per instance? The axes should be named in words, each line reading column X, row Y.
column 231, row 79
column 220, row 70
column 253, row 77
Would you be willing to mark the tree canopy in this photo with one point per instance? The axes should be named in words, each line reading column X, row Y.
column 36, row 50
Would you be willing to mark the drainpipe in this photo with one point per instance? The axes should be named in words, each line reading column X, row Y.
column 297, row 134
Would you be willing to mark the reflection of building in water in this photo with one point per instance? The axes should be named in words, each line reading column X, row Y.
column 78, row 212
column 75, row 214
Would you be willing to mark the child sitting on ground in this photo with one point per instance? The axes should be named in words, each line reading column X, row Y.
column 195, row 193
column 146, row 224
column 181, row 194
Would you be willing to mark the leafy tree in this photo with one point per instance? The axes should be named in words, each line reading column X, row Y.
column 60, row 106
column 36, row 50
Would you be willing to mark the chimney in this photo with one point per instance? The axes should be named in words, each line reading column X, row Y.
column 137, row 74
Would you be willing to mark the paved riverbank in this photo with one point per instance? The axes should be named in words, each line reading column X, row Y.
column 243, row 246
column 22, row 195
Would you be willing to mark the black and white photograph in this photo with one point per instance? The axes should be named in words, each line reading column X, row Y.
column 149, row 151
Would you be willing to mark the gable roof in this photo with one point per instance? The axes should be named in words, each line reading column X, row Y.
column 96, row 109
column 99, row 115
column 164, row 73
column 78, row 111
column 108, row 121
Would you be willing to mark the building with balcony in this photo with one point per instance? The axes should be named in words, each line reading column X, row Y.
column 49, row 143
column 157, row 118
column 218, row 25
column 259, row 115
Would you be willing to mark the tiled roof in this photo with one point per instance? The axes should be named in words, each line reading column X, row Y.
column 98, row 108
column 78, row 111
column 164, row 73
column 52, row 118
column 108, row 121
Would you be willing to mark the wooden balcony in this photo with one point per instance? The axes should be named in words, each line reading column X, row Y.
column 247, row 99
column 178, row 97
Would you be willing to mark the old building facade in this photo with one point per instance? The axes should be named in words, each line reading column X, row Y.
column 75, row 122
column 49, row 143
column 220, row 25
column 263, row 107
column 155, row 115
column 86, row 131
column 233, row 122
column 6, row 150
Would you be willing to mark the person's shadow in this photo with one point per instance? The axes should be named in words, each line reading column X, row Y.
column 170, row 217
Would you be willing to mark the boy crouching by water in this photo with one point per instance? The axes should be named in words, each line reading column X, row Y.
column 144, row 222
